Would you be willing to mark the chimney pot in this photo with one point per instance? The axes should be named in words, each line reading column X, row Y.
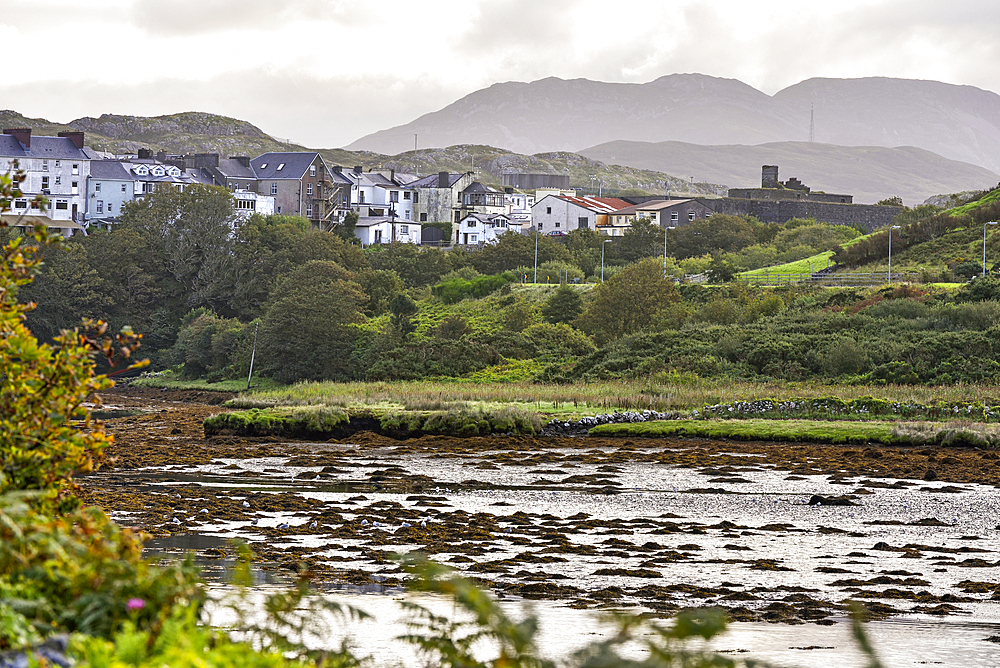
column 74, row 136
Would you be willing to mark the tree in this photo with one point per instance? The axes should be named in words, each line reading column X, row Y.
column 565, row 305
column 415, row 265
column 402, row 308
column 517, row 250
column 307, row 332
column 717, row 233
column 346, row 229
column 628, row 302
column 642, row 239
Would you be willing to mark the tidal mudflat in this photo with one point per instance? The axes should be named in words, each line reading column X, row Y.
column 786, row 533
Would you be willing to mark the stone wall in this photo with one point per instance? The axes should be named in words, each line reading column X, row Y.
column 781, row 194
column 867, row 216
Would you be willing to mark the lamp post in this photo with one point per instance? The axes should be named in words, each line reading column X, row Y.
column 894, row 227
column 665, row 230
column 536, row 257
column 606, row 241
column 992, row 222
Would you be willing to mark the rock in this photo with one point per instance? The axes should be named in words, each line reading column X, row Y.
column 818, row 500
column 930, row 475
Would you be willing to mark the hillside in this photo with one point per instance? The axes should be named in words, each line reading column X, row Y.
column 869, row 173
column 957, row 122
column 489, row 164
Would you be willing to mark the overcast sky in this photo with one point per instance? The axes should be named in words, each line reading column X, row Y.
column 326, row 72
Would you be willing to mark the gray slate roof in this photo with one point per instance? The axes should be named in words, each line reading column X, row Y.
column 432, row 181
column 295, row 165
column 109, row 169
column 53, row 148
column 235, row 169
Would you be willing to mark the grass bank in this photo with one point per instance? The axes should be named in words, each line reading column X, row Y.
column 882, row 432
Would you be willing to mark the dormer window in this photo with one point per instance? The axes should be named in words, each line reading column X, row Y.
column 281, row 166
column 142, row 170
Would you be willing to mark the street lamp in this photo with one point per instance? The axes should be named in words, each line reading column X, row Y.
column 536, row 257
column 894, row 227
column 992, row 222
column 606, row 241
column 665, row 230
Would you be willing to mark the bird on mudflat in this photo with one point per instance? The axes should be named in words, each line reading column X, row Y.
column 283, row 525
column 246, row 504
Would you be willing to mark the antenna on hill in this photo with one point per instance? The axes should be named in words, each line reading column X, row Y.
column 812, row 123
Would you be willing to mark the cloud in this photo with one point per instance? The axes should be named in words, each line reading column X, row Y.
column 198, row 17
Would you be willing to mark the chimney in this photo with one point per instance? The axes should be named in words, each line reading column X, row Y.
column 337, row 169
column 206, row 160
column 357, row 169
column 443, row 180
column 769, row 176
column 242, row 159
column 161, row 155
column 23, row 135
column 145, row 154
column 74, row 136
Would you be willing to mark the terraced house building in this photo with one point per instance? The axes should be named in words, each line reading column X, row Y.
column 302, row 185
column 56, row 168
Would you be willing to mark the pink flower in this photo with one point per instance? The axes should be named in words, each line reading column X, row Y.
column 135, row 604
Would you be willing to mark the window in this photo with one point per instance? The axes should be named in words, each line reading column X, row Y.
column 393, row 195
column 423, row 218
column 416, row 197
column 57, row 163
column 548, row 210
column 45, row 183
column 404, row 229
column 557, row 224
column 75, row 188
column 471, row 222
column 58, row 179
column 691, row 215
column 21, row 204
column 458, row 217
column 45, row 165
column 473, row 238
column 274, row 188
column 361, row 196
column 309, row 210
column 540, row 225
column 279, row 209
column 583, row 222
column 123, row 188
column 111, row 207
column 76, row 170
column 100, row 206
column 263, row 165
column 406, row 196
column 309, row 189
column 62, row 205
column 674, row 216
column 281, row 167
column 97, row 186
column 312, row 170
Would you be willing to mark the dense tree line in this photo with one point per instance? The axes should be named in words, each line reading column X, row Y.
column 202, row 284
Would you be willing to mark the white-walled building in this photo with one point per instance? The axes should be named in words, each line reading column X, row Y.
column 561, row 214
column 477, row 228
column 519, row 208
column 56, row 168
column 247, row 203
column 386, row 229
column 109, row 187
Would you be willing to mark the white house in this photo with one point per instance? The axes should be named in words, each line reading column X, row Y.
column 56, row 168
column 477, row 228
column 374, row 194
column 386, row 229
column 247, row 202
column 519, row 208
column 560, row 214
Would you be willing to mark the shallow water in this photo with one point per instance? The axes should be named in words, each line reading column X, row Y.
column 752, row 512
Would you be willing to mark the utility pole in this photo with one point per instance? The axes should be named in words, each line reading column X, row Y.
column 253, row 353
column 812, row 123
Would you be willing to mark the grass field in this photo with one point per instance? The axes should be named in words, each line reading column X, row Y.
column 813, row 431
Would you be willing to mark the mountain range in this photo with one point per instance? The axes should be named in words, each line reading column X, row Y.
column 957, row 122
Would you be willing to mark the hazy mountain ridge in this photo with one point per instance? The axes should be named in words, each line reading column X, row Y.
column 870, row 173
column 957, row 122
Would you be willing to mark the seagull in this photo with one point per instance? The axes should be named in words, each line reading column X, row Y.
column 203, row 510
column 423, row 523
column 314, row 524
column 178, row 496
column 283, row 525
column 175, row 520
column 254, row 523
column 406, row 525
column 364, row 522
column 376, row 524
column 246, row 504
